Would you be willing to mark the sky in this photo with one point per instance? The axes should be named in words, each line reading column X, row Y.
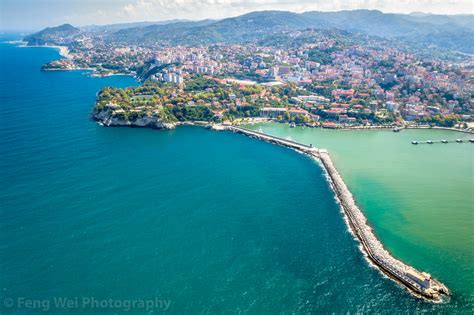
column 37, row 14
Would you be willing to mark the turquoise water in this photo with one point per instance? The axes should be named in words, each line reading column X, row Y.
column 211, row 222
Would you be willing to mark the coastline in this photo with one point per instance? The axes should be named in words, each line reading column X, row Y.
column 63, row 50
column 66, row 54
column 419, row 284
column 347, row 281
column 256, row 120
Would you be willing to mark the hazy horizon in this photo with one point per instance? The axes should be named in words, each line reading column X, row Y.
column 28, row 15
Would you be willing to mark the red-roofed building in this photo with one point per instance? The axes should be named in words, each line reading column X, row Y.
column 330, row 125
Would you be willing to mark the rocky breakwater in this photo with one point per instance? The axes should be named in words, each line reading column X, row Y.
column 303, row 148
column 114, row 115
column 419, row 283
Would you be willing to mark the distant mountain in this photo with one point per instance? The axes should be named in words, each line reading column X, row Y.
column 451, row 32
column 464, row 20
column 454, row 32
column 249, row 26
column 121, row 26
column 60, row 35
column 239, row 29
column 158, row 32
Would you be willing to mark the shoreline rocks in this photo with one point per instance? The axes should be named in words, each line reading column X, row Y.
column 108, row 119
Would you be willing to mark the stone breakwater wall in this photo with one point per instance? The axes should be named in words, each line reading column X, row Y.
column 419, row 283
column 307, row 149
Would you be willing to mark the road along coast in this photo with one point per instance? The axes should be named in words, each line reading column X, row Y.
column 421, row 284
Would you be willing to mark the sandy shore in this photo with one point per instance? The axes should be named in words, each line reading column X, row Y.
column 63, row 50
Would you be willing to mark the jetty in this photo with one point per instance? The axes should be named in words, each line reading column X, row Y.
column 307, row 149
column 421, row 284
column 442, row 141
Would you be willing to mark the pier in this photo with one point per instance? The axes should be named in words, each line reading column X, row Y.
column 442, row 141
column 419, row 283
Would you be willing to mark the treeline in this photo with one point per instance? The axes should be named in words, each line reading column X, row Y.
column 193, row 113
column 440, row 120
column 321, row 56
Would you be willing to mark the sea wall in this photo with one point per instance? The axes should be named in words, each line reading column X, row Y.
column 419, row 283
column 307, row 149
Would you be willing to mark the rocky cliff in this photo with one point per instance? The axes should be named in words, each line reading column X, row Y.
column 110, row 117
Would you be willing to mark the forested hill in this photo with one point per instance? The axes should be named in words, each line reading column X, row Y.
column 454, row 32
column 60, row 35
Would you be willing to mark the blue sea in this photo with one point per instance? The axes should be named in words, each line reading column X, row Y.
column 189, row 220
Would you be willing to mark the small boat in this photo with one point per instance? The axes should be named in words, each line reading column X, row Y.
column 414, row 142
column 429, row 142
column 471, row 140
column 458, row 140
column 396, row 130
column 444, row 141
column 292, row 125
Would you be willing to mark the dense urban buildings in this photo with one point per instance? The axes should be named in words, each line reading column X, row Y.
column 315, row 77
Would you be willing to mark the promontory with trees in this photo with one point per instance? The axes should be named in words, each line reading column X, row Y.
column 202, row 98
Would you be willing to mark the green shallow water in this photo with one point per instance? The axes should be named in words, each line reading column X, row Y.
column 419, row 198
